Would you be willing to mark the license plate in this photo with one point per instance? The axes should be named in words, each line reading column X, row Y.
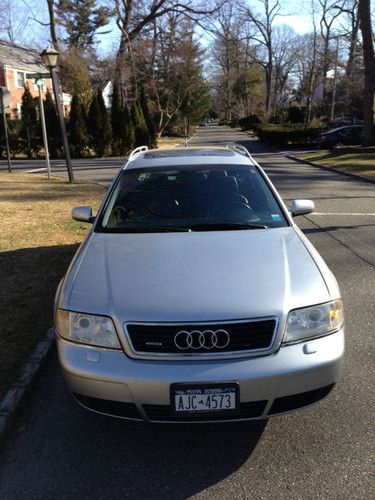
column 187, row 399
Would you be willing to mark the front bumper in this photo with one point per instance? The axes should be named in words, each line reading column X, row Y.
column 110, row 382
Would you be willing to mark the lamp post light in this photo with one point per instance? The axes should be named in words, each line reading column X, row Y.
column 50, row 57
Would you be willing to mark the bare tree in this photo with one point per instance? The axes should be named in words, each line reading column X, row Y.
column 228, row 52
column 330, row 11
column 369, row 63
column 12, row 22
column 352, row 82
column 284, row 60
column 169, row 87
column 306, row 62
column 133, row 18
column 52, row 24
column 352, row 30
column 264, row 27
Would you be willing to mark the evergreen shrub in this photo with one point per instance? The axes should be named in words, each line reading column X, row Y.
column 250, row 122
column 288, row 134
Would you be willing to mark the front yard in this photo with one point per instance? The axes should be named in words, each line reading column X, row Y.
column 360, row 163
column 38, row 238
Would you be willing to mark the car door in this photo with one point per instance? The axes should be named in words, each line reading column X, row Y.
column 353, row 135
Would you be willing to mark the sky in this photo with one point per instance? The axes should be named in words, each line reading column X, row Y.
column 29, row 14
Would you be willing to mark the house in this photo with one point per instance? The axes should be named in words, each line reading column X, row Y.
column 16, row 62
column 106, row 88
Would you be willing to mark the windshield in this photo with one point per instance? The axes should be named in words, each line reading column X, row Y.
column 219, row 197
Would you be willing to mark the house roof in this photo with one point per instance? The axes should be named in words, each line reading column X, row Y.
column 20, row 57
column 100, row 84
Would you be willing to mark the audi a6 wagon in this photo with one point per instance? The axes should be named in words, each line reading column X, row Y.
column 195, row 297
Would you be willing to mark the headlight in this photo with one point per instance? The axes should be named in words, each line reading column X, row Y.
column 87, row 329
column 314, row 321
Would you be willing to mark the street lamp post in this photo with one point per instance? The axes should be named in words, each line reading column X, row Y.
column 39, row 83
column 49, row 57
column 4, row 102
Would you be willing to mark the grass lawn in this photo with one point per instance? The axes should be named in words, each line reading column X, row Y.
column 38, row 238
column 361, row 163
column 169, row 142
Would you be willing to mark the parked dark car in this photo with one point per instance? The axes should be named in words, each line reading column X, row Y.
column 351, row 134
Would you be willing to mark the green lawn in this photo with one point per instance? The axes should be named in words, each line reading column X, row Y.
column 361, row 163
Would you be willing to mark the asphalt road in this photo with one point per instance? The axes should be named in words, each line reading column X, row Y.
column 99, row 170
column 58, row 450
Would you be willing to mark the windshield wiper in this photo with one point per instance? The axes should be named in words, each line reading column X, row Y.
column 225, row 226
column 156, row 229
column 208, row 226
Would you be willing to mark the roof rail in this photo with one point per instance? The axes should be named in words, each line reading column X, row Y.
column 136, row 152
column 240, row 149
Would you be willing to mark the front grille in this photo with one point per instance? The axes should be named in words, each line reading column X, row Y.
column 243, row 336
column 252, row 409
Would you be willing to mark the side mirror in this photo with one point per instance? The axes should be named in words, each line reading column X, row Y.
column 302, row 207
column 83, row 214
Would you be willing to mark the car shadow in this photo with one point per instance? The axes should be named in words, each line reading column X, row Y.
column 29, row 278
column 331, row 229
column 85, row 455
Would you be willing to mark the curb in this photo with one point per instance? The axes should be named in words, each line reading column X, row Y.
column 187, row 140
column 331, row 169
column 15, row 395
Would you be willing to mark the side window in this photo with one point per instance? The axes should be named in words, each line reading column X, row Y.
column 20, row 79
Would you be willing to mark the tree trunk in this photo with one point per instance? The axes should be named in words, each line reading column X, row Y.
column 364, row 8
column 268, row 74
column 52, row 24
column 121, row 73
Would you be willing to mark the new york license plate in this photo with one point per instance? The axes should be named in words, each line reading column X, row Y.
column 204, row 398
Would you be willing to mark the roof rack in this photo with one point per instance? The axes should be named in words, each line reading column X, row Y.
column 137, row 151
column 240, row 149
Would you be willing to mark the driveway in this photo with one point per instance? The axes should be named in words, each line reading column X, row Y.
column 58, row 450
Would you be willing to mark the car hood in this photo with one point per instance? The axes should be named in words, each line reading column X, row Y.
column 194, row 276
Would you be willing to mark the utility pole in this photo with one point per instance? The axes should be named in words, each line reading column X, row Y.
column 39, row 83
column 5, row 102
column 49, row 57
column 38, row 80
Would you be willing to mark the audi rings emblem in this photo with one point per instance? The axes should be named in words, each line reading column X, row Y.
column 197, row 339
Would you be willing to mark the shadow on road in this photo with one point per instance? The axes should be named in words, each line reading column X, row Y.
column 89, row 455
column 330, row 229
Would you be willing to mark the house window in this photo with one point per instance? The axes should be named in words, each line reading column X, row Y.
column 20, row 79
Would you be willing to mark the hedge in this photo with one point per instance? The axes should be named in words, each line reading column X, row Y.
column 17, row 143
column 250, row 122
column 286, row 135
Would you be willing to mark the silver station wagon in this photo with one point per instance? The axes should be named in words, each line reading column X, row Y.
column 195, row 297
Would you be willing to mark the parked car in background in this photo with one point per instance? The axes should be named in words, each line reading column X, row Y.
column 202, row 123
column 195, row 297
column 341, row 121
column 348, row 135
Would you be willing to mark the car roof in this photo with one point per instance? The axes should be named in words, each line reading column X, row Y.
column 344, row 127
column 187, row 157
